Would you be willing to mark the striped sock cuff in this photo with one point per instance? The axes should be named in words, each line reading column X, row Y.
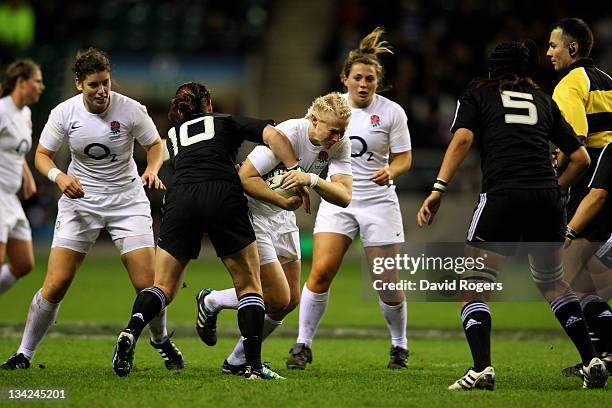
column 542, row 275
column 563, row 300
column 591, row 297
column 158, row 293
column 474, row 307
column 485, row 274
column 250, row 299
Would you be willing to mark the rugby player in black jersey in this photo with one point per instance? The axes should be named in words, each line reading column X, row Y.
column 513, row 122
column 206, row 197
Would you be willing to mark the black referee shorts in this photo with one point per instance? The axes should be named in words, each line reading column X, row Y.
column 597, row 230
column 216, row 207
column 502, row 219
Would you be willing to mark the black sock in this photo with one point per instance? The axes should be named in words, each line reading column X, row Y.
column 598, row 316
column 568, row 312
column 148, row 304
column 251, row 313
column 476, row 321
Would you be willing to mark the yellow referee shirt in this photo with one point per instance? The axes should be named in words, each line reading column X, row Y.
column 584, row 96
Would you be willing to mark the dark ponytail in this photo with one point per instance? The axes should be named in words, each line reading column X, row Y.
column 191, row 99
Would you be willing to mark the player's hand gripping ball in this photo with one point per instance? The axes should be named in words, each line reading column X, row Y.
column 273, row 180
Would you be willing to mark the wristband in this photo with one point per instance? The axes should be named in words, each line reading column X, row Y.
column 570, row 233
column 314, row 179
column 294, row 167
column 52, row 174
column 440, row 186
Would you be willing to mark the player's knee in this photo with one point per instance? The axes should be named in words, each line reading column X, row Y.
column 54, row 292
column 320, row 279
column 276, row 303
column 294, row 301
column 22, row 267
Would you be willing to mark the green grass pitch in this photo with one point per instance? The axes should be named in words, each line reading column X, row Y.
column 529, row 349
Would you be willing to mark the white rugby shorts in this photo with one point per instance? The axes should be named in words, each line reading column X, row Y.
column 123, row 214
column 13, row 221
column 278, row 238
column 378, row 220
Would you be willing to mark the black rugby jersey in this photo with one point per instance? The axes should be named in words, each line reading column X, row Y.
column 205, row 147
column 513, row 130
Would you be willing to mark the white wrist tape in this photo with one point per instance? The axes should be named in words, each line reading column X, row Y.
column 314, row 179
column 52, row 174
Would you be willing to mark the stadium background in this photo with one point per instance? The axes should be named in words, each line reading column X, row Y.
column 270, row 58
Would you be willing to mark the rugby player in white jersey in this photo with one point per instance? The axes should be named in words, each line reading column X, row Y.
column 101, row 189
column 21, row 87
column 318, row 141
column 377, row 128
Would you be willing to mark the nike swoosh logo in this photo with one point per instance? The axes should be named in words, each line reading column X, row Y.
column 74, row 126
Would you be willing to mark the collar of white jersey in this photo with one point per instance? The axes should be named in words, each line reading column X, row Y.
column 374, row 99
column 10, row 104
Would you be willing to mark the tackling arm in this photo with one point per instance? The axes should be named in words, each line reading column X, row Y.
column 280, row 146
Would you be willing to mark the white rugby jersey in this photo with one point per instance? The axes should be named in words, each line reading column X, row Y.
column 313, row 159
column 374, row 132
column 15, row 142
column 101, row 145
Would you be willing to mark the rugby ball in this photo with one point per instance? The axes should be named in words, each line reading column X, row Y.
column 273, row 180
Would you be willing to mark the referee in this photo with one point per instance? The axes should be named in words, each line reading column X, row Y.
column 584, row 96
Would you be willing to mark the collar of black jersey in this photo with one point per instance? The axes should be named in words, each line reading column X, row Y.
column 582, row 62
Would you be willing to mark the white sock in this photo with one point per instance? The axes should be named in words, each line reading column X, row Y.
column 237, row 357
column 312, row 308
column 221, row 299
column 396, row 317
column 157, row 327
column 7, row 279
column 41, row 316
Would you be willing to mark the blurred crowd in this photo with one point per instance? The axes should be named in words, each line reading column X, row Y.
column 440, row 45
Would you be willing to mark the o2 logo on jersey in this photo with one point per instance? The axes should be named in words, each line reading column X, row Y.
column 23, row 147
column 375, row 121
column 98, row 151
column 359, row 147
column 115, row 127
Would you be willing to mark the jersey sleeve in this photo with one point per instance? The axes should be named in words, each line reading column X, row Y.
column 562, row 134
column 399, row 135
column 466, row 115
column 54, row 132
column 2, row 120
column 571, row 94
column 263, row 159
column 340, row 163
column 251, row 129
column 602, row 176
column 143, row 128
